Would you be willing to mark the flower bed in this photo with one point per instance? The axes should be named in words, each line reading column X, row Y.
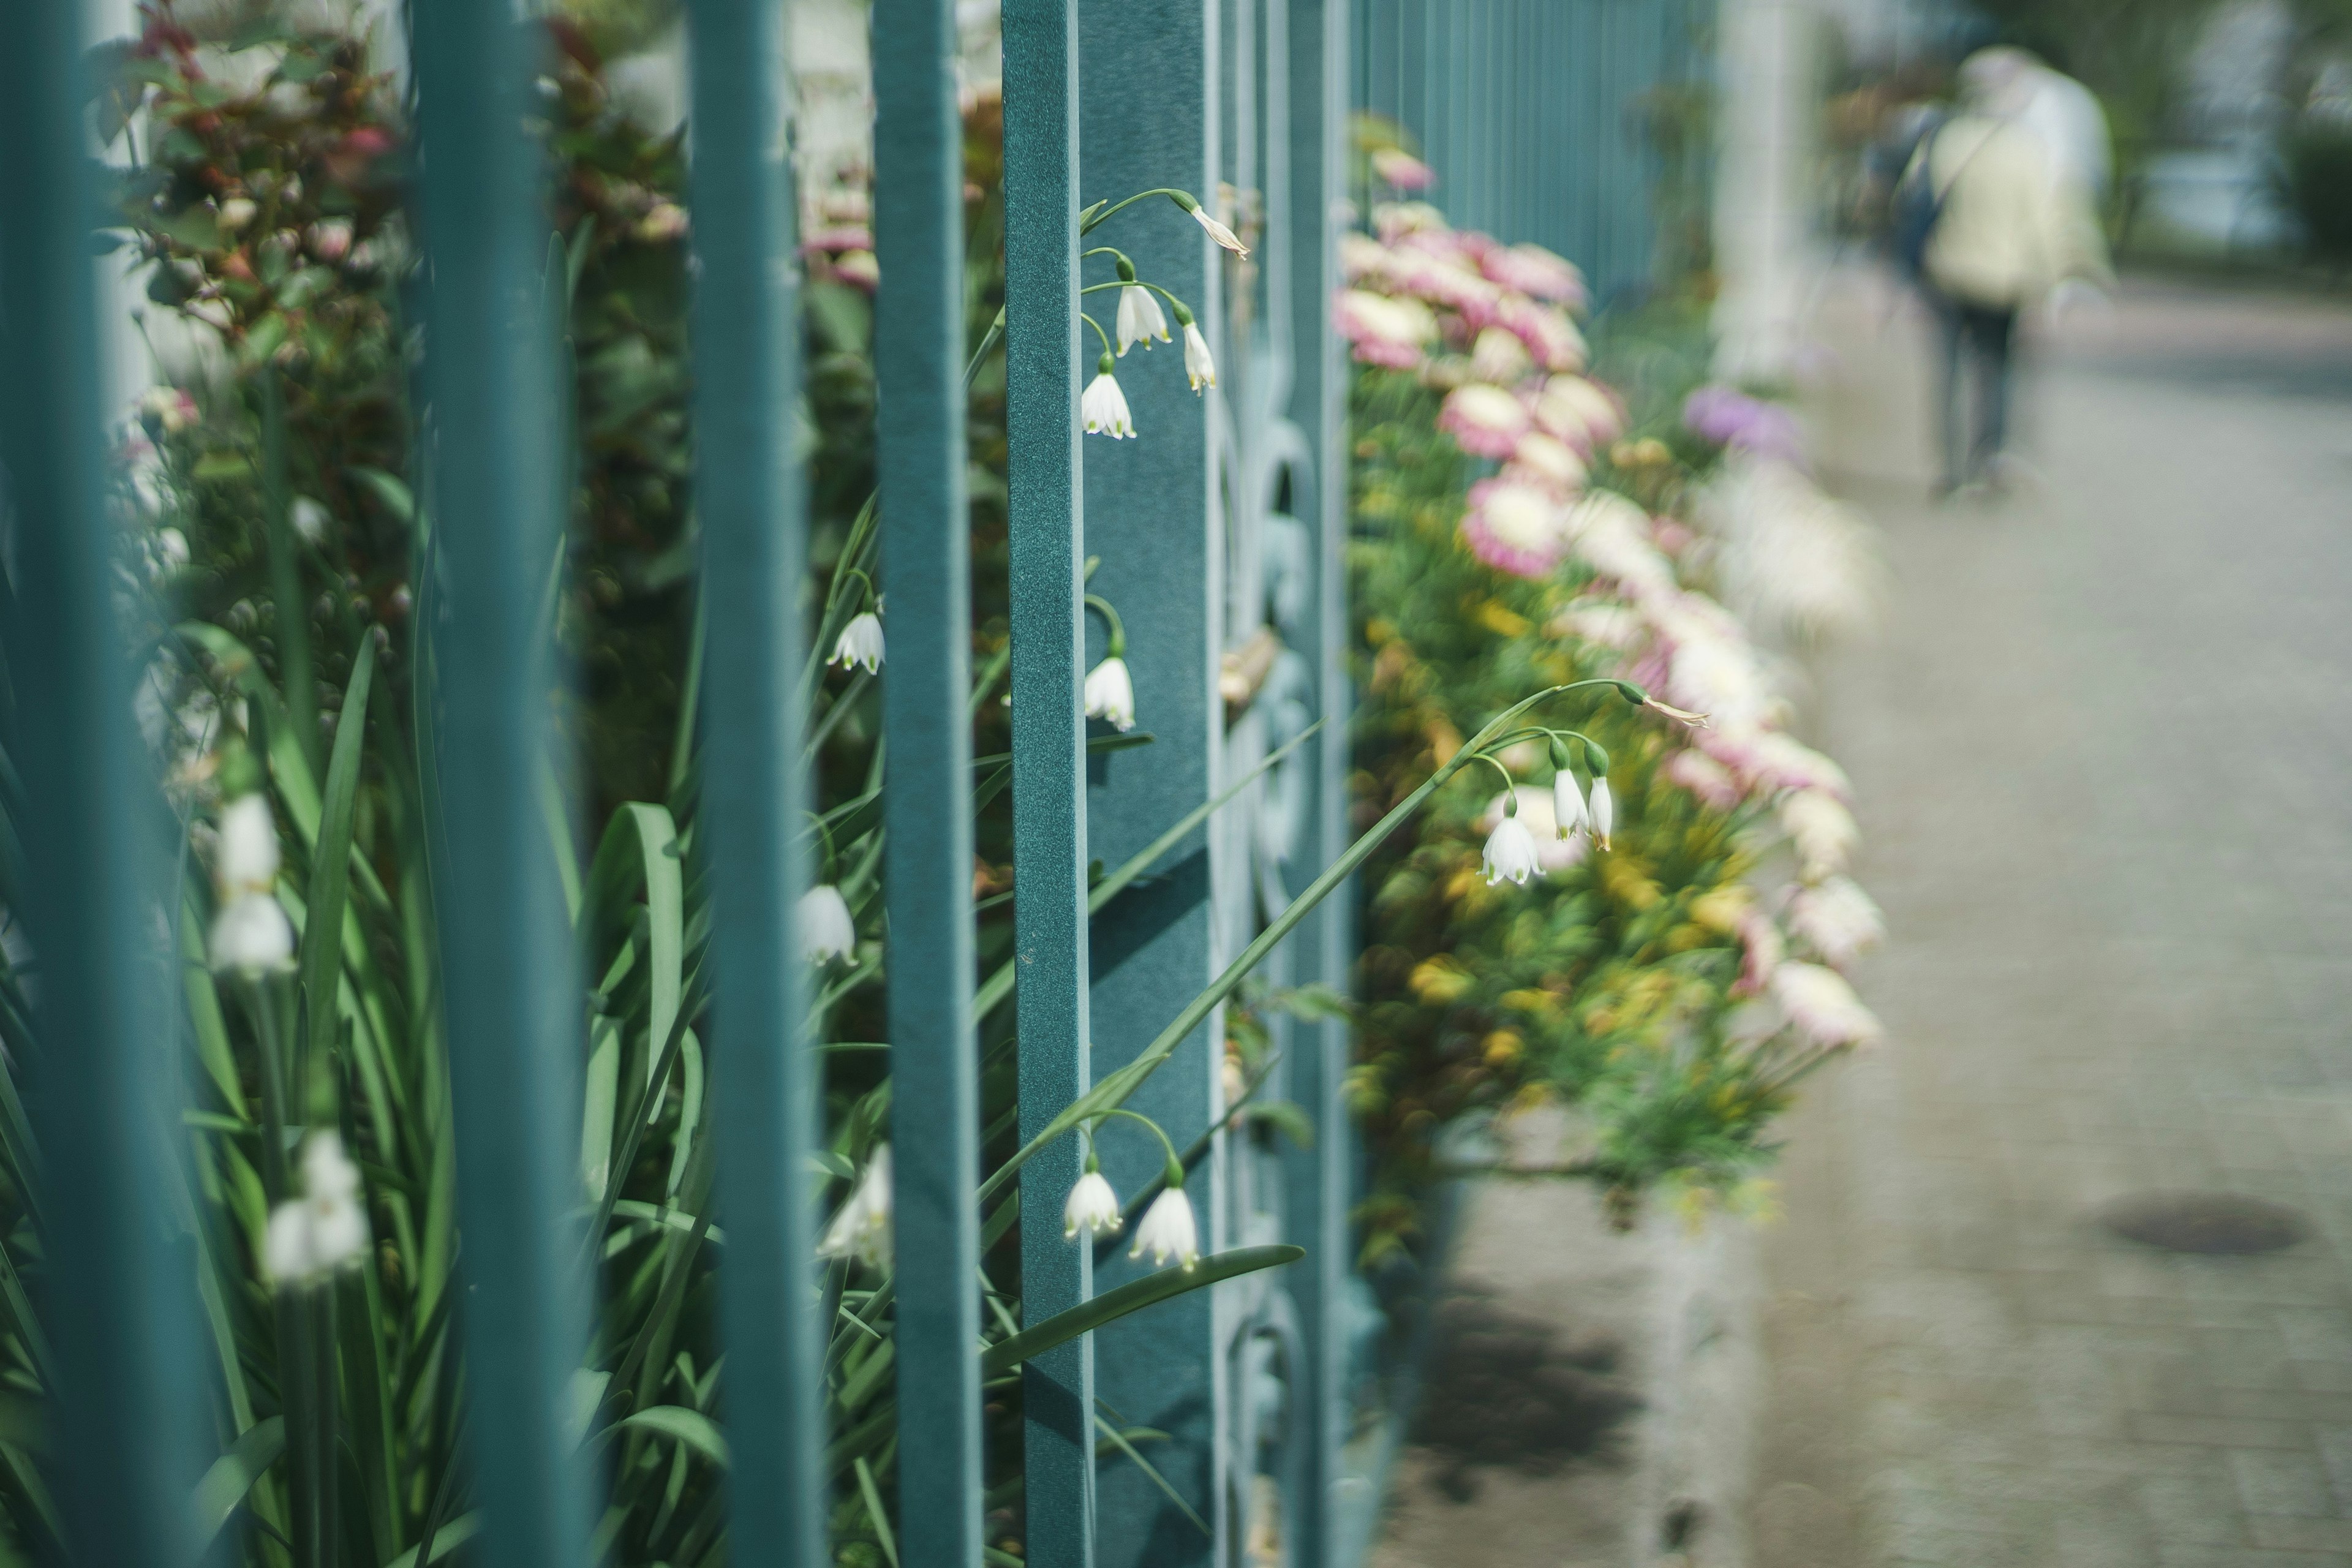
column 1645, row 921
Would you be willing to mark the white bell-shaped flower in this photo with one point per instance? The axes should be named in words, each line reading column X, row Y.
column 862, row 1229
column 246, row 861
column 827, row 930
column 1093, row 1206
column 1510, row 853
column 1219, row 232
column 251, row 936
column 326, row 1229
column 860, row 643
column 1604, row 810
column 1139, row 319
column 1199, row 366
column 1567, row 802
column 1111, row 694
column 1103, row 408
column 1168, row 1230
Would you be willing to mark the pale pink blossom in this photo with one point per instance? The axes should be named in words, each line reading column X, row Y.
column 1821, row 831
column 1836, row 919
column 1580, row 411
column 1485, row 421
column 1402, row 170
column 1551, row 460
column 1384, row 331
column 1550, row 337
column 1761, row 949
column 1531, row 270
column 1499, row 357
column 1514, row 528
column 1708, row 781
column 1821, row 1007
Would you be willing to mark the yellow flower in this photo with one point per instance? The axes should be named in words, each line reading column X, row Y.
column 1536, row 1004
column 1500, row 621
column 1439, row 980
column 1503, row 1048
column 1719, row 908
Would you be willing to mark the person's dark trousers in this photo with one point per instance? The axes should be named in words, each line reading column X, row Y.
column 1984, row 338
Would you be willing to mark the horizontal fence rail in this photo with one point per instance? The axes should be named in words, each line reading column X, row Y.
column 1208, row 553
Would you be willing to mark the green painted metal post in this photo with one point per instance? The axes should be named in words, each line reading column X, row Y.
column 750, row 497
column 1044, row 361
column 1319, row 1178
column 513, row 1004
column 926, row 697
column 118, row 1304
column 1148, row 509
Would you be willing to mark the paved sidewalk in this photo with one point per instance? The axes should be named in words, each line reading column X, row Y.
column 2104, row 752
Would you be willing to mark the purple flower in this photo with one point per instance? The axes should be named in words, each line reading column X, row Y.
column 1730, row 418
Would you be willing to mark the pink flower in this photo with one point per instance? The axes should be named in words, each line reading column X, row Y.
column 1384, row 331
column 1533, row 271
column 1708, row 780
column 1514, row 528
column 1837, row 919
column 1485, row 421
column 1760, row 953
column 1548, row 460
column 837, row 238
column 1393, row 220
column 1499, row 357
column 1821, row 1007
column 1402, row 170
column 1550, row 337
column 1582, row 413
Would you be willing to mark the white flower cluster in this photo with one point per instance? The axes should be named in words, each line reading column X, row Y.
column 326, row 1229
column 251, row 935
column 1167, row 1230
column 862, row 1230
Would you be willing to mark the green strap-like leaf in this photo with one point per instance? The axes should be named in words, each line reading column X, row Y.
column 1088, row 1316
column 691, row 1427
column 231, row 1476
column 331, row 859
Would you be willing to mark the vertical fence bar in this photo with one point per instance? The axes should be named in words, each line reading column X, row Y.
column 1149, row 517
column 748, row 497
column 926, row 704
column 1043, row 361
column 1317, row 1177
column 120, row 1310
column 513, row 1007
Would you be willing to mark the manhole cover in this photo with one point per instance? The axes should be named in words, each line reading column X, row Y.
column 2205, row 1222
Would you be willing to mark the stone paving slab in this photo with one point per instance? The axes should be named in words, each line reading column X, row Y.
column 2103, row 746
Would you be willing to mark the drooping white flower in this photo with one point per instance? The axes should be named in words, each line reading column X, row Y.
column 1103, row 409
column 1821, row 1007
column 1093, row 1206
column 1218, row 231
column 1168, row 1230
column 1554, row 851
column 326, row 1229
column 1111, row 694
column 252, row 937
column 827, row 930
column 1510, row 853
column 862, row 1229
column 246, row 861
column 1567, row 802
column 310, row 518
column 1604, row 810
column 860, row 643
column 1821, row 829
column 1139, row 319
column 1837, row 919
column 1199, row 367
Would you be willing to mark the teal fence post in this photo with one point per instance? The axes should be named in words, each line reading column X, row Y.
column 513, row 1004
column 750, row 499
column 1043, row 366
column 1319, row 1178
column 1149, row 517
column 119, row 1307
column 920, row 346
column 507, row 956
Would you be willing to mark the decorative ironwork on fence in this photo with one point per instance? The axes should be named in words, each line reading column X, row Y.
column 1222, row 538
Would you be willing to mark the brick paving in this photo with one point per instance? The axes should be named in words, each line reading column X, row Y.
column 2104, row 750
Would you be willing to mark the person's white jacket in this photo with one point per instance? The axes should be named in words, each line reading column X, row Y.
column 2011, row 226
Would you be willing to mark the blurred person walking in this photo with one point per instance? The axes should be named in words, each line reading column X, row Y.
column 1993, row 220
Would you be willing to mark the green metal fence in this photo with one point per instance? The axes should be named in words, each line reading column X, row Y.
column 1221, row 535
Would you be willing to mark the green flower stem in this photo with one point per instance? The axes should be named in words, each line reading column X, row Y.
column 1173, row 1174
column 1115, row 647
column 1098, row 331
column 1092, row 221
column 1115, row 1087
